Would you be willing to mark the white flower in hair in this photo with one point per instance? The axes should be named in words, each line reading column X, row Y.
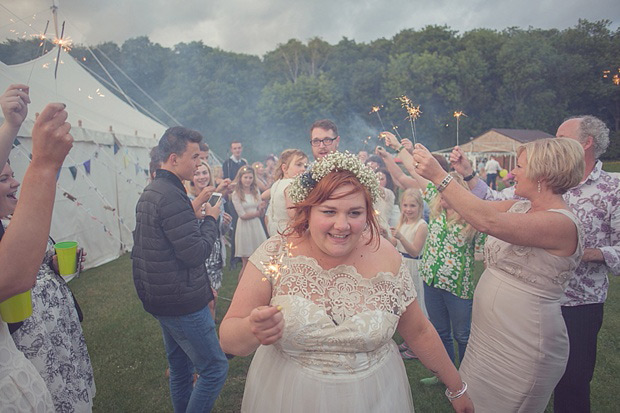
column 336, row 161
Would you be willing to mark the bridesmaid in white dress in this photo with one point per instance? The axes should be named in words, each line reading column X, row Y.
column 320, row 308
column 410, row 236
column 291, row 163
column 518, row 347
column 246, row 200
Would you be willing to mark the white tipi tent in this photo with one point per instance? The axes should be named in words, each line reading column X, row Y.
column 105, row 172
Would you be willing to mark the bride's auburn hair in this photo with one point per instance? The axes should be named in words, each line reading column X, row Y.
column 323, row 191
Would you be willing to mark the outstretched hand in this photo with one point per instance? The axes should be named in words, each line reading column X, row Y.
column 459, row 161
column 14, row 103
column 426, row 165
column 267, row 324
column 390, row 139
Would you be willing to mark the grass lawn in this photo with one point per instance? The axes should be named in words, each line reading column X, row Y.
column 126, row 349
column 612, row 166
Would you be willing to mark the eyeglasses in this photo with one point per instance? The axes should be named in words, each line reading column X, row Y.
column 324, row 141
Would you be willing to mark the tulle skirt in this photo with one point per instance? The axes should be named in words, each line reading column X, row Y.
column 277, row 383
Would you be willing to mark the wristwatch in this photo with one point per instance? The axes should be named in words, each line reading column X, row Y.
column 469, row 177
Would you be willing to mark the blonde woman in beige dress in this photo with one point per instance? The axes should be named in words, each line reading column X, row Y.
column 518, row 347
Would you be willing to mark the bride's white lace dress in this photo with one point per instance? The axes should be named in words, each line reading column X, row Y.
column 337, row 352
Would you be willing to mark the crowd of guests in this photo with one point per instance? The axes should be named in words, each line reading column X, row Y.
column 338, row 252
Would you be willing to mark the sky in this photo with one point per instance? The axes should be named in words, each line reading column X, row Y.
column 258, row 26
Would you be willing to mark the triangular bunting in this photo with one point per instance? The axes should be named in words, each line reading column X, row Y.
column 58, row 174
column 73, row 170
column 16, row 142
column 87, row 167
column 116, row 148
column 137, row 168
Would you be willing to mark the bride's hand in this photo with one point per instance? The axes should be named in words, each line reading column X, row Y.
column 267, row 324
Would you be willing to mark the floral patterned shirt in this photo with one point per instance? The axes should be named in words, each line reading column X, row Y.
column 596, row 203
column 448, row 259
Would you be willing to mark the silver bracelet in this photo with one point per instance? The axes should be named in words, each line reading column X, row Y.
column 453, row 396
column 444, row 183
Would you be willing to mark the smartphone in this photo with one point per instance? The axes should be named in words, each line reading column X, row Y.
column 215, row 197
column 79, row 261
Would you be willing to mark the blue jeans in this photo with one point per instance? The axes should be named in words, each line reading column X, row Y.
column 191, row 343
column 451, row 317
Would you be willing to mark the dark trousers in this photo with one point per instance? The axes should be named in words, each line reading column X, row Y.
column 583, row 322
column 492, row 181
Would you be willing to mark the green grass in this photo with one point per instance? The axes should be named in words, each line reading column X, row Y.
column 612, row 166
column 127, row 352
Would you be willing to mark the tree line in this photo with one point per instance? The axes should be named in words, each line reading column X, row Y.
column 513, row 78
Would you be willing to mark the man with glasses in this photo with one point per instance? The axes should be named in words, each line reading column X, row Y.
column 323, row 138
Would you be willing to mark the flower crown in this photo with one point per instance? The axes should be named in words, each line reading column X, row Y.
column 335, row 161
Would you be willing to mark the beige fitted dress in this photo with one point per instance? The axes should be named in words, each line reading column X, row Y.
column 518, row 347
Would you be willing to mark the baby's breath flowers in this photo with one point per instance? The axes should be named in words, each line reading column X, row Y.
column 335, row 161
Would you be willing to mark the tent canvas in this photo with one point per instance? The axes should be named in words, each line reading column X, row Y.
column 107, row 169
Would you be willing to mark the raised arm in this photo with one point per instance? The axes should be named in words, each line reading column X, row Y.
column 398, row 175
column 250, row 321
column 551, row 231
column 14, row 103
column 413, row 246
column 406, row 158
column 24, row 243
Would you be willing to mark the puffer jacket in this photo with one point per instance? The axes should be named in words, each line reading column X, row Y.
column 170, row 249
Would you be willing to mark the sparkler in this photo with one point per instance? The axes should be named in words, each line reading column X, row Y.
column 59, row 41
column 615, row 78
column 376, row 109
column 413, row 112
column 458, row 115
column 274, row 267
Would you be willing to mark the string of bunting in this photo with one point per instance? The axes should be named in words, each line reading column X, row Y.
column 80, row 205
column 95, row 155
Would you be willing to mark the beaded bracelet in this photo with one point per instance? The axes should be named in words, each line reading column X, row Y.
column 453, row 396
column 444, row 183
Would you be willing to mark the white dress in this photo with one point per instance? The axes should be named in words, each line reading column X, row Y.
column 276, row 212
column 249, row 233
column 337, row 352
column 408, row 231
column 21, row 387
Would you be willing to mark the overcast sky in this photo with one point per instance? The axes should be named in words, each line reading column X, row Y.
column 258, row 26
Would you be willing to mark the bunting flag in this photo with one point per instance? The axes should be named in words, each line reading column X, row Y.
column 58, row 174
column 16, row 142
column 137, row 167
column 87, row 166
column 116, row 148
column 73, row 171
column 125, row 161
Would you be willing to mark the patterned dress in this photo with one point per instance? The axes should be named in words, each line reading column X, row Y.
column 337, row 352
column 52, row 339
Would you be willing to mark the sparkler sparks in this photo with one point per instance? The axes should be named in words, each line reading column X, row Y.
column 274, row 267
column 376, row 109
column 413, row 113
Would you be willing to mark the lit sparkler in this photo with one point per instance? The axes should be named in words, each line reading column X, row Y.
column 413, row 112
column 274, row 267
column 458, row 115
column 376, row 109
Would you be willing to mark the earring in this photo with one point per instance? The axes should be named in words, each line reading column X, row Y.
column 539, row 187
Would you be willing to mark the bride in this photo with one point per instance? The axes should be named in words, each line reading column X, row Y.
column 321, row 303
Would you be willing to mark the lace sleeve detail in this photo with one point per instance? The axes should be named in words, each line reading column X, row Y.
column 520, row 207
column 273, row 247
column 409, row 293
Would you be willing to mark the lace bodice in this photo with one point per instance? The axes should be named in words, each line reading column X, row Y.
column 336, row 321
column 533, row 268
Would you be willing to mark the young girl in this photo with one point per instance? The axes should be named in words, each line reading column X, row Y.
column 246, row 200
column 292, row 162
column 410, row 235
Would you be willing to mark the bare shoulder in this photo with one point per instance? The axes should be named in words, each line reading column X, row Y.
column 380, row 257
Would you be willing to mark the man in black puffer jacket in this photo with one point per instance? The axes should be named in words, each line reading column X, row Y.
column 171, row 245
